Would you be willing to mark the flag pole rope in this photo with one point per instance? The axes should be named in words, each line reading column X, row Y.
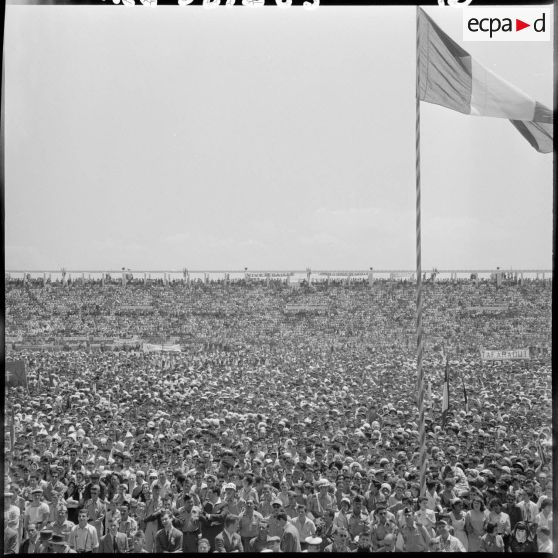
column 420, row 373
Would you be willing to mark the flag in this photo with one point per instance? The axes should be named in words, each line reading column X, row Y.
column 448, row 76
column 16, row 374
column 445, row 394
column 465, row 395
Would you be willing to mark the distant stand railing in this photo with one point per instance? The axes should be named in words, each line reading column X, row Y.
column 282, row 271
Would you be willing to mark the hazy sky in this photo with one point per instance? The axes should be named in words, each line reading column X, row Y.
column 274, row 139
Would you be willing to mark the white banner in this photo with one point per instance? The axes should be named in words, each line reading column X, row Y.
column 402, row 275
column 270, row 275
column 505, row 355
column 150, row 348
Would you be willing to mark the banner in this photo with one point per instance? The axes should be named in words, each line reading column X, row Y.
column 505, row 355
column 402, row 275
column 15, row 373
column 149, row 348
column 270, row 275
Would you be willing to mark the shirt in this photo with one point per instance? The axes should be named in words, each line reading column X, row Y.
column 529, row 511
column 415, row 538
column 491, row 543
column 451, row 544
column 36, row 513
column 249, row 525
column 190, row 522
column 357, row 523
column 433, row 500
column 306, row 529
column 83, row 539
column 502, row 520
column 427, row 518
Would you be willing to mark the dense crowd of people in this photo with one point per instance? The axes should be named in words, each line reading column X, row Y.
column 277, row 432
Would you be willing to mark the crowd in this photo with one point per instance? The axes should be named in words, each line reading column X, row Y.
column 276, row 433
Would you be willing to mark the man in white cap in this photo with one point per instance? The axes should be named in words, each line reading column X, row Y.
column 322, row 501
column 230, row 498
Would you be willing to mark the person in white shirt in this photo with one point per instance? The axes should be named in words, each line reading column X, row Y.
column 445, row 542
column 529, row 510
column 11, row 511
column 83, row 537
column 433, row 498
column 544, row 541
column 425, row 516
column 36, row 512
column 500, row 518
column 305, row 527
column 544, row 518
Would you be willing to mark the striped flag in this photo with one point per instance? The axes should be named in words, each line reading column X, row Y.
column 451, row 78
column 445, row 394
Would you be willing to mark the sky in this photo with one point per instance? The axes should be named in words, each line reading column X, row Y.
column 169, row 137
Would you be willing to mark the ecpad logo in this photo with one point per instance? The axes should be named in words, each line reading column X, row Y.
column 507, row 24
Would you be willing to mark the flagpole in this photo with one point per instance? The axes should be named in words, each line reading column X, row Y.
column 420, row 373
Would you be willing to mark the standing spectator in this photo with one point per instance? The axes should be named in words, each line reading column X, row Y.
column 425, row 516
column 545, row 516
column 340, row 542
column 476, row 520
column 96, row 510
column 521, row 540
column 249, row 520
column 61, row 525
column 305, row 526
column 529, row 511
column 490, row 541
column 258, row 543
column 37, row 512
column 31, row 543
column 139, row 543
column 544, row 540
column 83, row 537
column 10, row 537
column 151, row 517
column 290, row 540
column 415, row 536
column 229, row 540
column 169, row 538
column 188, row 521
column 444, row 542
column 457, row 521
column 113, row 542
column 501, row 520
